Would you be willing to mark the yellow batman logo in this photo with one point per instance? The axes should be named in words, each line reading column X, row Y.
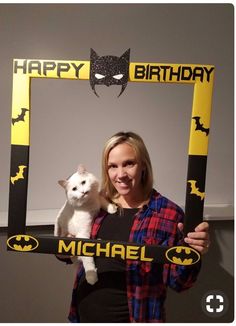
column 22, row 242
column 181, row 255
column 19, row 174
column 195, row 189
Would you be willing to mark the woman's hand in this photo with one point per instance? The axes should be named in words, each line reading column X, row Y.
column 198, row 239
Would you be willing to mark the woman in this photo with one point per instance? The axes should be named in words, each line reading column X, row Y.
column 134, row 291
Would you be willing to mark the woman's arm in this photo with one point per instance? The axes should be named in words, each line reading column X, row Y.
column 180, row 277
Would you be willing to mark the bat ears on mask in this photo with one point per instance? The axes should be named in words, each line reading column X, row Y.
column 94, row 56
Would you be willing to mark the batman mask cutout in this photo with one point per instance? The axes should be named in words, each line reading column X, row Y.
column 109, row 70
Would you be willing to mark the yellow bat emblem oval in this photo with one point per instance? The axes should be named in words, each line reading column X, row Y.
column 22, row 242
column 181, row 255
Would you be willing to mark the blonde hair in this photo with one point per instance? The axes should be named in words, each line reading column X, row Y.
column 136, row 142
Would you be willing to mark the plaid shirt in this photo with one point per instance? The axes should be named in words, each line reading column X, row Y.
column 147, row 282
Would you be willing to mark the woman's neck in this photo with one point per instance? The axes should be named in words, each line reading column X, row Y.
column 125, row 202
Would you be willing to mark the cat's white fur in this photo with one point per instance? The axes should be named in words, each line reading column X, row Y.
column 76, row 215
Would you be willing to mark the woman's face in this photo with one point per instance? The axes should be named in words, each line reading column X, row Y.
column 125, row 171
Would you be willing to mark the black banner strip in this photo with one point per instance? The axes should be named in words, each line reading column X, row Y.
column 18, row 189
column 180, row 255
column 195, row 192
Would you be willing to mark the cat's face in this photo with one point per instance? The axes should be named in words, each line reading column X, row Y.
column 80, row 187
column 109, row 70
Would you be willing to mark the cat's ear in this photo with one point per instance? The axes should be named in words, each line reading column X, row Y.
column 81, row 169
column 62, row 183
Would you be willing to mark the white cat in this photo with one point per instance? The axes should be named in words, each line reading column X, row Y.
column 76, row 216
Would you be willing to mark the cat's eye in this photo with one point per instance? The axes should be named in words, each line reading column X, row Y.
column 119, row 76
column 83, row 182
column 99, row 76
column 74, row 189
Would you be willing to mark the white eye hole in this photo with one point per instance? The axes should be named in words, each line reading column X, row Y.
column 118, row 76
column 99, row 76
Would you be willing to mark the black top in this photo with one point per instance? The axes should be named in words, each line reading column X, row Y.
column 106, row 300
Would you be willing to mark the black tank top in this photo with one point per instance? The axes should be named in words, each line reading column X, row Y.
column 106, row 300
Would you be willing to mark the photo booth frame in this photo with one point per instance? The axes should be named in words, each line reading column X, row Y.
column 200, row 76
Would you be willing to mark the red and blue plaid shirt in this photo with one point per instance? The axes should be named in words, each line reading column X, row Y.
column 147, row 282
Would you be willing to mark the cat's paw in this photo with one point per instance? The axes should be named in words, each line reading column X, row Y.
column 111, row 208
column 91, row 276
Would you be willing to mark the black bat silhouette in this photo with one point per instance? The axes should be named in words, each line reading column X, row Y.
column 199, row 126
column 20, row 117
